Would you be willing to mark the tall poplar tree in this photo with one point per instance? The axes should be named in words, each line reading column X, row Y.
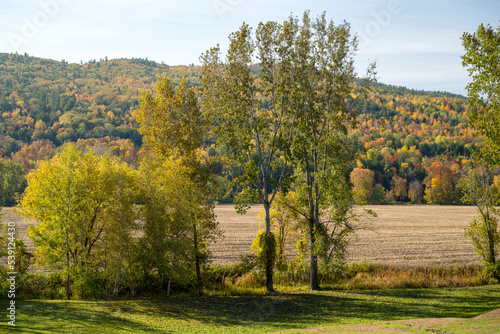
column 322, row 97
column 482, row 59
column 292, row 108
column 249, row 107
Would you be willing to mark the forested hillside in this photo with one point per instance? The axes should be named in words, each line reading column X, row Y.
column 46, row 99
column 402, row 133
column 409, row 136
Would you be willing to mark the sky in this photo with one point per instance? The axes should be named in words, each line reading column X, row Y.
column 417, row 44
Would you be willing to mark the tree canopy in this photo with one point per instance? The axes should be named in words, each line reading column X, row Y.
column 482, row 59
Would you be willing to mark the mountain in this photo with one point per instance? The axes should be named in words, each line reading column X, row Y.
column 44, row 103
column 57, row 101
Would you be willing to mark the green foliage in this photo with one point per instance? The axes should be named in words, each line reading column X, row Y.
column 252, row 112
column 492, row 270
column 23, row 257
column 485, row 238
column 322, row 87
column 112, row 228
column 87, row 286
column 173, row 129
column 478, row 190
column 223, row 276
column 377, row 196
column 168, row 196
column 82, row 204
column 171, row 122
column 482, row 59
column 265, row 247
column 12, row 182
column 32, row 285
column 297, row 108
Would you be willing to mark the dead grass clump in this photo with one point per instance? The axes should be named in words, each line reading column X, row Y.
column 247, row 280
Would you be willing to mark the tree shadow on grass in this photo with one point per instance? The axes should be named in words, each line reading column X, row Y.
column 454, row 302
column 255, row 313
column 39, row 316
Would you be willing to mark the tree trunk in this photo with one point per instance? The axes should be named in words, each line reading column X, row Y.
column 115, row 287
column 269, row 264
column 491, row 244
column 313, row 279
column 67, row 267
column 169, row 286
column 197, row 260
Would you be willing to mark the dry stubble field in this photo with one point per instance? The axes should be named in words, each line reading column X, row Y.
column 409, row 235
column 401, row 235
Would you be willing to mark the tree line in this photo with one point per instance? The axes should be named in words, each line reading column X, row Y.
column 400, row 132
column 280, row 135
column 96, row 100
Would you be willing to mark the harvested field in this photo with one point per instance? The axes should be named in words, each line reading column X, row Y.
column 9, row 215
column 409, row 235
column 413, row 235
column 239, row 232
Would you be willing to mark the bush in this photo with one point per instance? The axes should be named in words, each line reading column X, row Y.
column 33, row 285
column 492, row 270
column 216, row 275
column 88, row 287
column 41, row 286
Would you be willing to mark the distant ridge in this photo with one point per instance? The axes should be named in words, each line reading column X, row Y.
column 61, row 101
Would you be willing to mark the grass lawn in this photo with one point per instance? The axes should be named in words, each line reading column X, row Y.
column 260, row 314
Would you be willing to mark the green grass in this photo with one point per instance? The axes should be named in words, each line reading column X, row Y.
column 250, row 314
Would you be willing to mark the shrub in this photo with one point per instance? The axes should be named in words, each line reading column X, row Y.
column 492, row 270
column 88, row 287
column 34, row 285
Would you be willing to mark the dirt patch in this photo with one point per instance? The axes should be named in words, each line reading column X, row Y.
column 438, row 326
column 492, row 314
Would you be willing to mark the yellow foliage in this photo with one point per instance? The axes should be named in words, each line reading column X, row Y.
column 435, row 164
column 496, row 181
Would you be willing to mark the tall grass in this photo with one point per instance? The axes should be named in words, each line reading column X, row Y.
column 244, row 279
column 232, row 280
column 369, row 276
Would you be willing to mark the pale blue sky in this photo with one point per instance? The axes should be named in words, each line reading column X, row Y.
column 417, row 43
